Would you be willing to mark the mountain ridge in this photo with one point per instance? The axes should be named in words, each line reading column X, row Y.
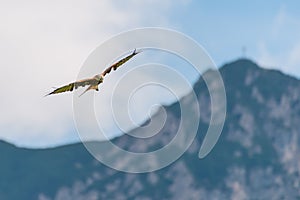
column 256, row 156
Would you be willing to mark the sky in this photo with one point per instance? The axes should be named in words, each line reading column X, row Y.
column 45, row 43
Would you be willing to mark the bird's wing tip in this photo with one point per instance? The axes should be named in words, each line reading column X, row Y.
column 135, row 51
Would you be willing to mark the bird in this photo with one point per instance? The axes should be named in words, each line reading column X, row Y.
column 93, row 82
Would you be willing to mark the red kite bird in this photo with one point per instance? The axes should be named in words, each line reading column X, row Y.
column 94, row 81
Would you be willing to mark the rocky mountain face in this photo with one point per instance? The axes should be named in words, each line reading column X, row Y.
column 256, row 157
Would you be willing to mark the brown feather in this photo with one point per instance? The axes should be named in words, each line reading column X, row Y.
column 64, row 88
column 92, row 82
column 70, row 87
column 119, row 63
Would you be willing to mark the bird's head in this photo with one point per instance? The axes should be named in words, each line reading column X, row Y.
column 99, row 78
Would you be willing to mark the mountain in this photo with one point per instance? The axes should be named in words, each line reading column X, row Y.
column 256, row 157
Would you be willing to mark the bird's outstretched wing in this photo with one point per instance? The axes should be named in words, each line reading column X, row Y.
column 119, row 63
column 70, row 87
column 92, row 82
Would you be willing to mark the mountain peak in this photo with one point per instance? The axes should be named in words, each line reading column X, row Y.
column 240, row 66
column 243, row 61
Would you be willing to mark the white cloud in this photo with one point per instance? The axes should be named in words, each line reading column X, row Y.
column 43, row 44
column 294, row 58
column 282, row 49
column 279, row 21
column 287, row 61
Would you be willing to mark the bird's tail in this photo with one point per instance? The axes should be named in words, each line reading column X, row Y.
column 91, row 87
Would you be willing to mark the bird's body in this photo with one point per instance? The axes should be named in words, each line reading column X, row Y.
column 94, row 81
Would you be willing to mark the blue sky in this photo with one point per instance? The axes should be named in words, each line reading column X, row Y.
column 269, row 30
column 44, row 44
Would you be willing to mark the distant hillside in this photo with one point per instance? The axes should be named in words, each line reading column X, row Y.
column 256, row 157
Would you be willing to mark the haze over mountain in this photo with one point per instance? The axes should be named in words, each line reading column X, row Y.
column 256, row 157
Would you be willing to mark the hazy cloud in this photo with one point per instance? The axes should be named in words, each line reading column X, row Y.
column 282, row 49
column 43, row 44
